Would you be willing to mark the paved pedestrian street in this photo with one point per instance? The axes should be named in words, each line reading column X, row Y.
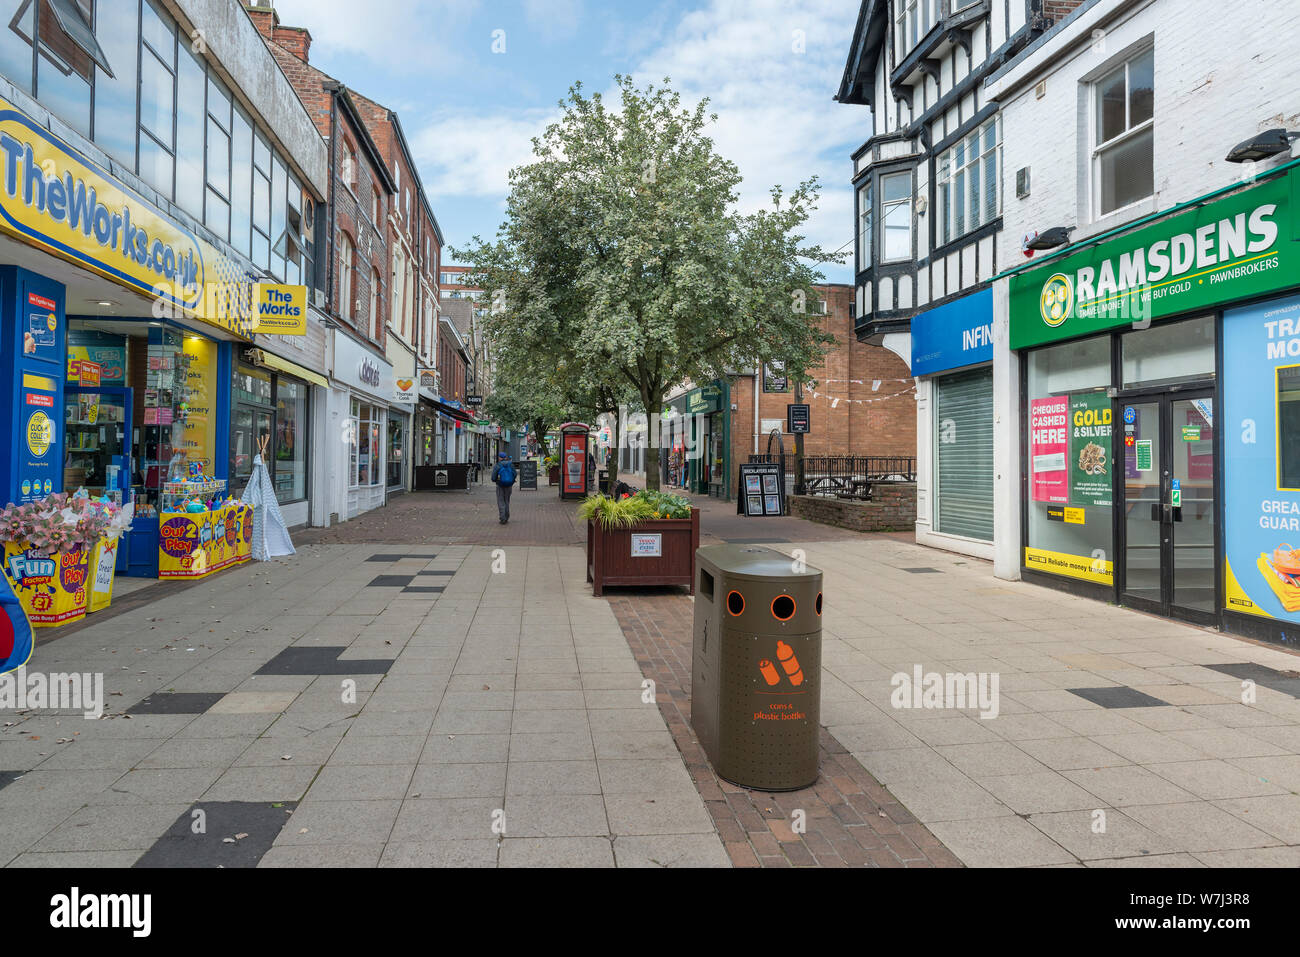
column 454, row 700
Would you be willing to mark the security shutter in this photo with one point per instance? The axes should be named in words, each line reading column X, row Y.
column 964, row 455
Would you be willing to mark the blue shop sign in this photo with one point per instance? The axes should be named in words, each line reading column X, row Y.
column 956, row 334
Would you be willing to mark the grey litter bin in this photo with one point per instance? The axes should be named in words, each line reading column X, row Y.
column 756, row 666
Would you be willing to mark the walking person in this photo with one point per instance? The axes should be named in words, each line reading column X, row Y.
column 504, row 474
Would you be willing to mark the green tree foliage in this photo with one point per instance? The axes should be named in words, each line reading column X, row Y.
column 624, row 268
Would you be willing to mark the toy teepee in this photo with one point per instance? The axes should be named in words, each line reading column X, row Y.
column 270, row 534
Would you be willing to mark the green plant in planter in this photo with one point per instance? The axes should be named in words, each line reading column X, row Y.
column 611, row 513
column 666, row 505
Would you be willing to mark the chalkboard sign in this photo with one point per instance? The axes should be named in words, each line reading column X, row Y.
column 762, row 490
column 528, row 474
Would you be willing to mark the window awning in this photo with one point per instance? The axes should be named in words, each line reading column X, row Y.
column 451, row 411
column 269, row 360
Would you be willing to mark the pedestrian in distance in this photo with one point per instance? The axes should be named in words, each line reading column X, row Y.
column 504, row 475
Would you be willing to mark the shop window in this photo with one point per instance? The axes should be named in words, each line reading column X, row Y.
column 1071, row 460
column 1123, row 123
column 262, row 203
column 864, row 226
column 279, row 208
column 1288, row 418
column 217, row 217
column 967, row 184
column 396, row 452
column 896, row 216
column 1171, row 352
column 290, row 440
column 367, row 443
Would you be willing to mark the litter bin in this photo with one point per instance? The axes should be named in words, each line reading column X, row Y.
column 756, row 666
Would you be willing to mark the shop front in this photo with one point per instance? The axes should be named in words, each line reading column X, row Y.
column 952, row 355
column 363, row 387
column 121, row 323
column 271, row 398
column 708, row 407
column 1159, row 428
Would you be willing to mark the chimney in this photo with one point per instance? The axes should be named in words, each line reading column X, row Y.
column 264, row 17
column 295, row 40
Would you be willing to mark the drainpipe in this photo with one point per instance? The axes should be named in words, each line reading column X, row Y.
column 332, row 86
column 758, row 371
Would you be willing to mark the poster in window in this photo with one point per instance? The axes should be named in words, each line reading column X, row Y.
column 1261, row 459
column 1048, row 418
column 1091, row 428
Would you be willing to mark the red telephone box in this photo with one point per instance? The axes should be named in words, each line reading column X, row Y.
column 574, row 440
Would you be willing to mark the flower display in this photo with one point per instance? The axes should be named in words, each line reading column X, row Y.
column 62, row 523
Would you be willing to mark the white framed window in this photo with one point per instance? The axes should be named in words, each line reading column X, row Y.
column 365, row 445
column 968, row 183
column 913, row 19
column 864, row 226
column 349, row 167
column 896, row 216
column 346, row 257
column 1123, row 118
column 374, row 304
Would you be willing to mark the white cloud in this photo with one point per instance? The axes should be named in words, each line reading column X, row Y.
column 776, row 118
column 472, row 154
column 405, row 36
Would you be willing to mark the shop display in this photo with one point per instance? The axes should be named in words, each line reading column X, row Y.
column 48, row 544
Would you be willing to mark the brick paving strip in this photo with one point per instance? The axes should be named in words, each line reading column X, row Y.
column 851, row 820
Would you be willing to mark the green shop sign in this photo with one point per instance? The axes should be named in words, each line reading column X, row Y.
column 704, row 400
column 1236, row 248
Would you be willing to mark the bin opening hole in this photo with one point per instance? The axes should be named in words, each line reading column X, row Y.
column 735, row 602
column 706, row 584
column 819, row 604
column 783, row 607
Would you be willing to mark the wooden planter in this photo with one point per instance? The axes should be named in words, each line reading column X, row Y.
column 553, row 475
column 610, row 558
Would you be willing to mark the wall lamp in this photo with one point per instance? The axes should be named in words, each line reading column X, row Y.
column 1262, row 146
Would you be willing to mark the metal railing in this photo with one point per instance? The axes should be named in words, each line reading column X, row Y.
column 841, row 476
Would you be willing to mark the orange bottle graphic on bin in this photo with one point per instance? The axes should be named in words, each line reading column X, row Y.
column 790, row 663
column 785, row 655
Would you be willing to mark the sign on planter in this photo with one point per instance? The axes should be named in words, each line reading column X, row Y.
column 647, row 545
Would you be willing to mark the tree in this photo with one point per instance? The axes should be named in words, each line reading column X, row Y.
column 625, row 262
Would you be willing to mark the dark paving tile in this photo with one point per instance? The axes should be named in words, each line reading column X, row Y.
column 391, row 581
column 1287, row 682
column 177, row 702
column 308, row 660
column 1120, row 697
column 222, row 821
column 921, row 571
column 436, row 572
column 422, row 588
column 385, row 558
column 7, row 777
column 753, row 541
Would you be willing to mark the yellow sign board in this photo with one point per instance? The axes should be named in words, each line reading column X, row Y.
column 280, row 310
column 53, row 197
column 1075, row 516
column 1075, row 566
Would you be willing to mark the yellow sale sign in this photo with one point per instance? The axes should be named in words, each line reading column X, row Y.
column 196, row 544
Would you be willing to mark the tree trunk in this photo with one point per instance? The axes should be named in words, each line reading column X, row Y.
column 653, row 402
column 539, row 427
column 612, row 463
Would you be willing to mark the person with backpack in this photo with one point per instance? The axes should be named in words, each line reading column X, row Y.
column 504, row 475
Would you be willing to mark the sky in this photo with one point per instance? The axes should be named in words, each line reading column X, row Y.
column 474, row 80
